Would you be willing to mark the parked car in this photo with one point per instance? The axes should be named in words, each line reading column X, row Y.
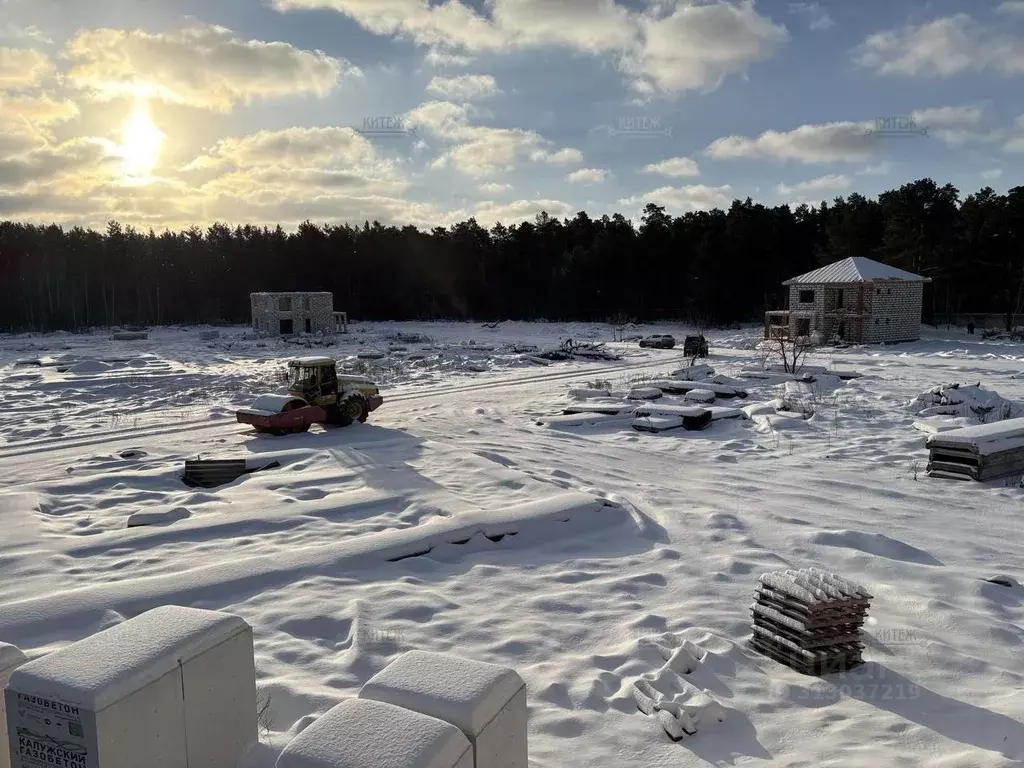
column 659, row 341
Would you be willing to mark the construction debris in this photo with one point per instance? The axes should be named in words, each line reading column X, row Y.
column 681, row 387
column 809, row 620
column 645, row 393
column 569, row 350
column 981, row 452
column 607, row 408
column 684, row 418
column 700, row 396
column 970, row 400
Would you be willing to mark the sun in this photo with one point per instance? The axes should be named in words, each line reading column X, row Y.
column 141, row 142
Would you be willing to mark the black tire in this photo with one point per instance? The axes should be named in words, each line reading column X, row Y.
column 351, row 409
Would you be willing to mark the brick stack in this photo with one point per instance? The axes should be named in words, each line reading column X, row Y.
column 809, row 620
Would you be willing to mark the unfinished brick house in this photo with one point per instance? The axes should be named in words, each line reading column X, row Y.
column 857, row 300
column 295, row 312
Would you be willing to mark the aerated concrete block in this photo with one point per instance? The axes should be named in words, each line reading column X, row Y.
column 485, row 701
column 171, row 688
column 360, row 733
column 10, row 659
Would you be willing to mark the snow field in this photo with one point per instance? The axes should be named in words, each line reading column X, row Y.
column 698, row 516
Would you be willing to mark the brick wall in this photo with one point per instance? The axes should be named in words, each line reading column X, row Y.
column 269, row 309
column 893, row 310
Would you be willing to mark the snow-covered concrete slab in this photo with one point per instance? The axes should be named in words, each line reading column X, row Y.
column 172, row 687
column 362, row 733
column 487, row 702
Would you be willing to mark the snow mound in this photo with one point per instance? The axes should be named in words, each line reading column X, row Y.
column 90, row 366
column 700, row 396
column 680, row 707
column 965, row 400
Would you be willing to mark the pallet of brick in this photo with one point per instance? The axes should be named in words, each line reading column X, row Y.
column 981, row 452
column 809, row 620
column 172, row 687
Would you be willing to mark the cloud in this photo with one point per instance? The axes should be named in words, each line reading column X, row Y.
column 1011, row 7
column 831, row 183
column 23, row 67
column 992, row 174
column 946, row 46
column 879, row 169
column 202, row 66
column 79, row 163
column 489, row 212
column 588, row 176
column 1015, row 143
column 694, row 46
column 31, row 114
column 677, row 167
column 493, row 187
column 817, row 17
column 464, row 87
column 15, row 32
column 695, row 197
column 566, row 156
column 438, row 58
column 955, row 125
column 822, row 143
column 480, row 150
column 302, row 147
column 699, row 44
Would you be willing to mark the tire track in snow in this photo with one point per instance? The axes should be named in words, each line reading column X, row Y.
column 202, row 425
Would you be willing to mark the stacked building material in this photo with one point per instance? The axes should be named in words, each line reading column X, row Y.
column 809, row 620
column 980, row 452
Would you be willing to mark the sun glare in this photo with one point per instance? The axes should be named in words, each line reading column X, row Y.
column 141, row 142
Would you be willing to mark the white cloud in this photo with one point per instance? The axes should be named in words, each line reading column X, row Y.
column 879, row 169
column 23, row 67
column 203, row 66
column 677, row 167
column 78, row 163
column 695, row 197
column 295, row 147
column 439, row 58
column 489, row 212
column 699, row 44
column 946, row 46
column 1011, row 7
column 822, row 143
column 493, row 187
column 588, row 176
column 992, row 174
column 954, row 125
column 831, row 183
column 15, row 32
column 565, row 156
column 464, row 87
column 1015, row 143
column 694, row 46
column 481, row 150
column 817, row 17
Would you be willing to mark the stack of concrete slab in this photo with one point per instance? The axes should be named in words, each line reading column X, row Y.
column 809, row 620
column 981, row 452
column 172, row 687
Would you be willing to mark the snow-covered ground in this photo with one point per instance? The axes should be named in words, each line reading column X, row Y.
column 439, row 525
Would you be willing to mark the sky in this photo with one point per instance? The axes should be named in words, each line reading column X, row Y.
column 165, row 114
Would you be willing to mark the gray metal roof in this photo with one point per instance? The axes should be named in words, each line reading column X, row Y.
column 855, row 269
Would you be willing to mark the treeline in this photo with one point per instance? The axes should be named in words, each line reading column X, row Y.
column 715, row 266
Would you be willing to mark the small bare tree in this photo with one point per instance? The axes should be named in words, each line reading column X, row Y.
column 791, row 351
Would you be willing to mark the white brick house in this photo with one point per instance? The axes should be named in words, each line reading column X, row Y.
column 286, row 314
column 856, row 299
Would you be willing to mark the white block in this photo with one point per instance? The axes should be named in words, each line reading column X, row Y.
column 486, row 702
column 10, row 659
column 360, row 733
column 171, row 688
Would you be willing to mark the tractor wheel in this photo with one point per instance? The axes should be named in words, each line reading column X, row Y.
column 352, row 408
